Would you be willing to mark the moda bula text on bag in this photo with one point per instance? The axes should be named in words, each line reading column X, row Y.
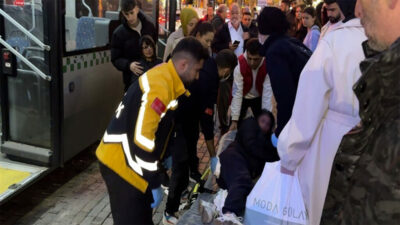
column 286, row 211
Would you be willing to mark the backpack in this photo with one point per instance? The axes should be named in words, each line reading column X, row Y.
column 300, row 49
column 301, row 54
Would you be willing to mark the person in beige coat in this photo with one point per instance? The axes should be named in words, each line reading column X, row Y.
column 189, row 20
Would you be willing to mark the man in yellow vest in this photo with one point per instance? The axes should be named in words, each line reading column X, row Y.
column 135, row 141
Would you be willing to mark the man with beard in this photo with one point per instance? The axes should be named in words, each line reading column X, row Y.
column 134, row 143
column 335, row 17
column 324, row 111
column 365, row 182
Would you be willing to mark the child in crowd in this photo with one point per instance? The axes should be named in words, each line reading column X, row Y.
column 148, row 54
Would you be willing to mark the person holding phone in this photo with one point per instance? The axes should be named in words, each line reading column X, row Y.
column 232, row 35
column 236, row 43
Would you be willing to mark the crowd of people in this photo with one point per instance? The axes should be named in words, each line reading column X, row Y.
column 316, row 88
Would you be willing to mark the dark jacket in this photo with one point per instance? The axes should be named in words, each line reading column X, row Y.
column 207, row 90
column 205, row 19
column 286, row 58
column 253, row 29
column 199, row 106
column 301, row 33
column 242, row 162
column 146, row 66
column 365, row 181
column 223, row 37
column 252, row 146
column 125, row 47
column 217, row 22
column 291, row 18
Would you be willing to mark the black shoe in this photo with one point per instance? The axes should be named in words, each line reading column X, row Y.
column 165, row 179
column 195, row 177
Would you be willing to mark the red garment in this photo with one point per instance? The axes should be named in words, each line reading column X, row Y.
column 247, row 74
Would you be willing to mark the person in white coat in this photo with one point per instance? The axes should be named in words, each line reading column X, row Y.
column 252, row 85
column 325, row 110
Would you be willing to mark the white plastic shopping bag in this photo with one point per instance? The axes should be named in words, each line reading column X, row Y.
column 219, row 200
column 275, row 199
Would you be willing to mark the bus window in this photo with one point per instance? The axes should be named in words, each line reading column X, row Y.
column 87, row 23
column 98, row 8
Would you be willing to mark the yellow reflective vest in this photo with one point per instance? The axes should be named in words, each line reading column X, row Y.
column 135, row 140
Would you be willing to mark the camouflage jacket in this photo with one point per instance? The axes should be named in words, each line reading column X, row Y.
column 365, row 182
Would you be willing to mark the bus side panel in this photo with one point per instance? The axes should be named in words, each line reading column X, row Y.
column 92, row 90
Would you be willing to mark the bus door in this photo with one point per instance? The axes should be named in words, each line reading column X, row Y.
column 25, row 91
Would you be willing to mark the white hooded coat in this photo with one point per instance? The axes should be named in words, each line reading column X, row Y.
column 324, row 111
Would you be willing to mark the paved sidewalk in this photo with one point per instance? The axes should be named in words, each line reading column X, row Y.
column 72, row 198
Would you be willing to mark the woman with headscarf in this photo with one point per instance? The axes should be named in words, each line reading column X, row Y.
column 189, row 19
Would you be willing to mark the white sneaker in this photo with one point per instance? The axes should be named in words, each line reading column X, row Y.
column 208, row 211
column 228, row 219
column 166, row 189
column 169, row 219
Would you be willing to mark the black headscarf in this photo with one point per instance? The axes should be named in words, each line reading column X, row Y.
column 347, row 7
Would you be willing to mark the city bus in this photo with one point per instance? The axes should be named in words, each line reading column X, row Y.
column 58, row 87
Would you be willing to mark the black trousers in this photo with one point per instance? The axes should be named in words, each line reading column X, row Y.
column 236, row 178
column 178, row 183
column 180, row 169
column 255, row 106
column 183, row 146
column 128, row 204
column 191, row 133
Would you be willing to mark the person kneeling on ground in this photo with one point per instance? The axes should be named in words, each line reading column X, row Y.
column 243, row 161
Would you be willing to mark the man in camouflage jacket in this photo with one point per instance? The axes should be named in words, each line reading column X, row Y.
column 365, row 181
